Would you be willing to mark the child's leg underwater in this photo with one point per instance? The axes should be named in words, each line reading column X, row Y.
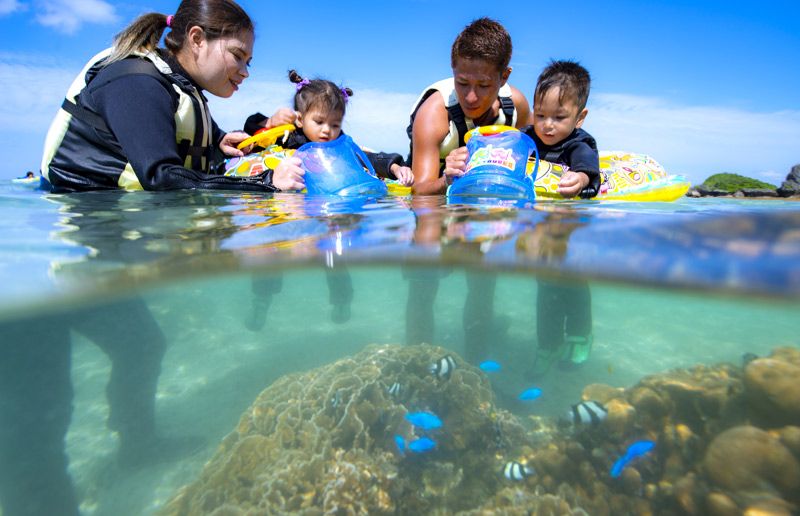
column 263, row 287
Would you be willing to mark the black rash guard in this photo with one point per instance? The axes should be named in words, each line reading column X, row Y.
column 139, row 110
column 578, row 151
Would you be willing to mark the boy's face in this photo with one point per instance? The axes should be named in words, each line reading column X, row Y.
column 477, row 85
column 319, row 125
column 552, row 120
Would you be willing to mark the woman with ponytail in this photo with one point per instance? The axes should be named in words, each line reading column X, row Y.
column 136, row 118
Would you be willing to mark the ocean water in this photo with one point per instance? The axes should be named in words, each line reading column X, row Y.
column 672, row 285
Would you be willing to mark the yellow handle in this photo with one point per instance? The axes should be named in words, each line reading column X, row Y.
column 488, row 130
column 268, row 137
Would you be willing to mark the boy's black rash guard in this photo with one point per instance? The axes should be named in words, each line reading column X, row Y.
column 578, row 151
column 139, row 110
column 381, row 161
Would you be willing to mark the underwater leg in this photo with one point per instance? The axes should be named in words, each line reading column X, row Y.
column 550, row 315
column 263, row 288
column 340, row 286
column 478, row 315
column 578, row 303
column 35, row 411
column 127, row 332
column 419, row 310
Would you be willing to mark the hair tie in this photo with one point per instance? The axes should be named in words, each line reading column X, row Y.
column 346, row 96
column 302, row 83
column 169, row 21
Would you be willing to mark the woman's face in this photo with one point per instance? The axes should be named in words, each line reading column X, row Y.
column 221, row 64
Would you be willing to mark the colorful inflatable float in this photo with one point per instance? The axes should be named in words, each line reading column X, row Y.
column 504, row 162
column 339, row 167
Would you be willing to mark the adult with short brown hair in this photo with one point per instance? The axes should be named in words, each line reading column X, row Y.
column 477, row 94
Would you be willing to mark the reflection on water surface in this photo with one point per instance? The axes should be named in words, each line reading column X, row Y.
column 176, row 280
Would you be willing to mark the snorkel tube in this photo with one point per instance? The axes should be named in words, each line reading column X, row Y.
column 339, row 167
column 497, row 165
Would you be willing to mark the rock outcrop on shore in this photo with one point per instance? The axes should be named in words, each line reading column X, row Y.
column 789, row 188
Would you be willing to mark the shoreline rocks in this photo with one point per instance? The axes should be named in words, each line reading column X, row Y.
column 789, row 190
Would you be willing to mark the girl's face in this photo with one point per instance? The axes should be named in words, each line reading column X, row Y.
column 221, row 64
column 319, row 125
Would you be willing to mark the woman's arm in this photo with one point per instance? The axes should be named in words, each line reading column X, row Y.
column 140, row 112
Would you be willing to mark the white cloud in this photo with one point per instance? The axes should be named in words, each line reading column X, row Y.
column 11, row 6
column 694, row 141
column 697, row 141
column 68, row 16
column 26, row 109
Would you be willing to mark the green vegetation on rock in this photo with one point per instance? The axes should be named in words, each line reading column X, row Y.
column 734, row 182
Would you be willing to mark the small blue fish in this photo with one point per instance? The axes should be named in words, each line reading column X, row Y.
column 425, row 420
column 530, row 394
column 421, row 445
column 635, row 450
column 489, row 366
column 401, row 444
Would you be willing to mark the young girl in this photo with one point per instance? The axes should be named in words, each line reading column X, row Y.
column 319, row 107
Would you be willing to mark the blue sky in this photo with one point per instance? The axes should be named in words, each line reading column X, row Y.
column 701, row 86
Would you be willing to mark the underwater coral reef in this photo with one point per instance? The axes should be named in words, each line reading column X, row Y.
column 720, row 440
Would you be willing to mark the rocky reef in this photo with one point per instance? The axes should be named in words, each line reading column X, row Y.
column 727, row 442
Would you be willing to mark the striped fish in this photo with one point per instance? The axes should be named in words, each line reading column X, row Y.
column 514, row 470
column 395, row 389
column 588, row 412
column 443, row 367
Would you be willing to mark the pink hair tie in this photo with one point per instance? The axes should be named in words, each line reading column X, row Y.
column 169, row 21
column 302, row 83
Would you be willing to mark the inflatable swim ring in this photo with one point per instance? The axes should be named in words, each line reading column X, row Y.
column 338, row 167
column 625, row 176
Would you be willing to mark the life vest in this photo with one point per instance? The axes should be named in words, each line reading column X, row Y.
column 80, row 150
column 460, row 125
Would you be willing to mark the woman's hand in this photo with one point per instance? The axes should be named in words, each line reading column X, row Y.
column 455, row 164
column 403, row 174
column 572, row 183
column 282, row 116
column 288, row 175
column 231, row 140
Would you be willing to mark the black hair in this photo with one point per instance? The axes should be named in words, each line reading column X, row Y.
column 570, row 77
column 318, row 93
column 217, row 18
column 483, row 39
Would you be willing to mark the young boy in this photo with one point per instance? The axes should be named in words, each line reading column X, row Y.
column 559, row 109
column 477, row 94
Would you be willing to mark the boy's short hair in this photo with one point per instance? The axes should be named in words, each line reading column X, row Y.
column 483, row 39
column 572, row 79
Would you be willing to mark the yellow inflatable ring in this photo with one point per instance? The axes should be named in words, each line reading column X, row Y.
column 489, row 130
column 266, row 137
